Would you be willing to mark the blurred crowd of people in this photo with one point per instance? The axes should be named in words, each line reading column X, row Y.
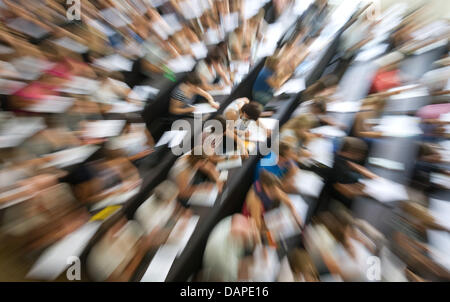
column 75, row 145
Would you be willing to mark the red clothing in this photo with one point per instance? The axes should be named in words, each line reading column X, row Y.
column 385, row 80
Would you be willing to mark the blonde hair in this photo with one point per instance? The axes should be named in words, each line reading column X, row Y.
column 300, row 122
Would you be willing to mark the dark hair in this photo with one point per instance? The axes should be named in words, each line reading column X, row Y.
column 268, row 179
column 213, row 56
column 252, row 110
column 192, row 78
column 320, row 104
column 353, row 145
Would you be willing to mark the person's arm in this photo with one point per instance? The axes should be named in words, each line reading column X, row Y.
column 362, row 170
column 207, row 96
column 221, row 72
column 254, row 208
column 288, row 180
column 210, row 170
column 239, row 142
column 284, row 198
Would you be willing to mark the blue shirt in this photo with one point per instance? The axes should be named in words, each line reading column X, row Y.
column 261, row 84
column 269, row 163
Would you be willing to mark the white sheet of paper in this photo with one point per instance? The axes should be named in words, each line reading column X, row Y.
column 308, row 183
column 204, row 198
column 344, row 107
column 125, row 107
column 224, row 91
column 114, row 62
column 54, row 260
column 212, row 37
column 104, row 128
column 292, row 86
column 115, row 199
column 27, row 27
column 230, row 22
column 114, row 17
column 199, row 49
column 269, row 123
column 181, row 64
column 329, row 131
column 441, row 211
column 229, row 164
column 173, row 138
column 386, row 163
column 384, row 190
column 204, row 108
column 172, row 21
column 265, row 266
column 440, row 242
column 9, row 87
column 430, row 47
column 322, row 151
column 223, row 176
column 71, row 44
column 80, row 85
column 399, row 126
column 187, row 233
column 161, row 263
column 16, row 130
column 71, row 156
column 53, row 104
column 440, row 179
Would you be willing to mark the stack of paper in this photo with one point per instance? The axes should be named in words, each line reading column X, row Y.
column 224, row 91
column 125, row 107
column 384, row 190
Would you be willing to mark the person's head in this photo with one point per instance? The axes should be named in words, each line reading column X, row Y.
column 301, row 124
column 301, row 263
column 354, row 149
column 251, row 111
column 287, row 152
column 192, row 79
column 269, row 182
column 166, row 191
column 272, row 62
column 319, row 106
column 213, row 57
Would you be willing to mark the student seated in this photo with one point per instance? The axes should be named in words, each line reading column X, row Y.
column 119, row 252
column 226, row 256
column 296, row 132
column 249, row 120
column 348, row 169
column 184, row 95
column 363, row 123
column 233, row 110
column 48, row 212
column 193, row 172
column 100, row 179
column 263, row 91
column 211, row 72
column 217, row 143
column 135, row 142
column 283, row 166
column 319, row 112
column 266, row 194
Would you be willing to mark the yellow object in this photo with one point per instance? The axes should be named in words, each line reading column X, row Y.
column 106, row 212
